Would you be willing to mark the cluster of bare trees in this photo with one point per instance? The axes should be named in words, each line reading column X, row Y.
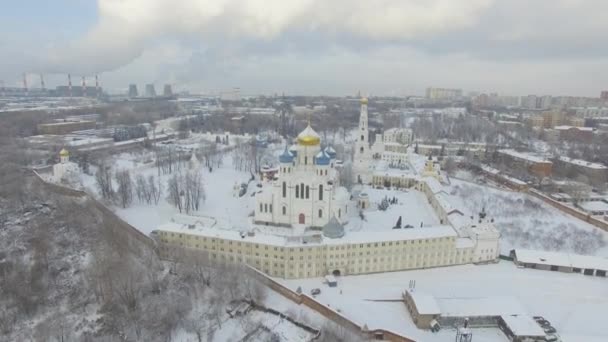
column 148, row 190
column 169, row 159
column 247, row 156
column 186, row 191
column 212, row 155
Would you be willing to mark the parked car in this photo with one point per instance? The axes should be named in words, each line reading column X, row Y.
column 315, row 292
column 549, row 330
column 552, row 338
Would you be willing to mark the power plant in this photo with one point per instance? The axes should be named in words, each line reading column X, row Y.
column 133, row 90
column 150, row 91
column 69, row 90
column 167, row 91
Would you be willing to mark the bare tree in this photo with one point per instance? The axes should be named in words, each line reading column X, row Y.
column 195, row 192
column 174, row 191
column 125, row 188
column 103, row 178
column 154, row 189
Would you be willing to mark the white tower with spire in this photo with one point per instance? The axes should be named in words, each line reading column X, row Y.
column 362, row 155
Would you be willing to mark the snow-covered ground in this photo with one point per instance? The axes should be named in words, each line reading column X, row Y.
column 412, row 206
column 220, row 203
column 527, row 222
column 573, row 303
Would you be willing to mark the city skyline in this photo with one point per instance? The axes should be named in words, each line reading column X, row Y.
column 311, row 47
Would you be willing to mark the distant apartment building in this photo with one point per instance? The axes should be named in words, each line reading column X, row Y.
column 443, row 93
column 552, row 118
column 604, row 95
column 592, row 112
column 575, row 121
column 596, row 172
column 529, row 101
column 59, row 128
column 536, row 165
column 535, row 121
column 584, row 134
column 398, row 135
column 544, row 102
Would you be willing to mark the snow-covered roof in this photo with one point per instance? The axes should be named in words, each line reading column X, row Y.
column 425, row 303
column 322, row 158
column 565, row 128
column 583, row 163
column 561, row 259
column 268, row 238
column 523, row 325
column 479, row 306
column 525, row 156
column 286, row 156
column 433, row 184
column 333, row 229
column 594, row 206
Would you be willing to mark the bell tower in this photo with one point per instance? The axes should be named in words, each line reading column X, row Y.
column 362, row 153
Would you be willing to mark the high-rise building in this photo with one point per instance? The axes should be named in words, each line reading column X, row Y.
column 150, row 91
column 529, row 101
column 604, row 95
column 443, row 93
column 544, row 102
column 133, row 90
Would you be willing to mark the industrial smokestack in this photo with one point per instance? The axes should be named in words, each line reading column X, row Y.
column 84, row 86
column 70, row 85
column 42, row 82
column 97, row 92
column 25, row 82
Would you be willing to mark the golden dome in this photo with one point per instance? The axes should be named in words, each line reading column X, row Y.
column 308, row 137
column 64, row 153
column 364, row 100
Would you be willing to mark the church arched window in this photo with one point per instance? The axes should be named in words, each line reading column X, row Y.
column 307, row 191
column 284, row 210
column 362, row 137
column 266, row 208
column 361, row 149
column 339, row 213
column 321, row 192
column 261, row 207
column 284, row 189
column 320, row 213
column 297, row 191
column 305, row 160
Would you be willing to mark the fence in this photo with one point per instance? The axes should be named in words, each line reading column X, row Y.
column 334, row 316
column 570, row 210
column 108, row 214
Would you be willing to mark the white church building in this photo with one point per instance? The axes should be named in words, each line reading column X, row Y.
column 65, row 171
column 306, row 189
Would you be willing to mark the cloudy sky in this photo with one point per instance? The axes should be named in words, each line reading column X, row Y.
column 337, row 47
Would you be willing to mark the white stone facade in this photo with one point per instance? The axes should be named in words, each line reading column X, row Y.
column 306, row 190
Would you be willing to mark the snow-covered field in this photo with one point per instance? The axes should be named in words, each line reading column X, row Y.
column 573, row 303
column 527, row 222
column 220, row 201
